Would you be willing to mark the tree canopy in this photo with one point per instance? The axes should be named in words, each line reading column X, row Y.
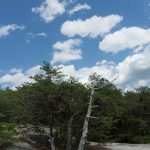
column 58, row 104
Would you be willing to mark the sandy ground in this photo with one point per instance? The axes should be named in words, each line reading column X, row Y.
column 97, row 146
column 120, row 146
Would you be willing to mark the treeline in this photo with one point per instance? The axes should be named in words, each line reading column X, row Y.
column 60, row 105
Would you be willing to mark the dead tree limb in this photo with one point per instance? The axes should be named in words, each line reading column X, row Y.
column 86, row 122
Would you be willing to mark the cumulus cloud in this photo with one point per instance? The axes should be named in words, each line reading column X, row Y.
column 5, row 30
column 135, row 69
column 126, row 38
column 82, row 74
column 16, row 77
column 91, row 27
column 79, row 7
column 13, row 80
column 132, row 72
column 49, row 10
column 67, row 51
column 33, row 71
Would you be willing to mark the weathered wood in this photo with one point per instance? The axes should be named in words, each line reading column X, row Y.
column 95, row 106
column 52, row 143
column 52, row 139
column 86, row 121
column 69, row 134
column 92, row 117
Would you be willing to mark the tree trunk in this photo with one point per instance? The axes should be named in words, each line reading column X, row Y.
column 85, row 127
column 52, row 140
column 52, row 143
column 69, row 134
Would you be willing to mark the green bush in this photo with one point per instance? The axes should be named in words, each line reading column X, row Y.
column 7, row 134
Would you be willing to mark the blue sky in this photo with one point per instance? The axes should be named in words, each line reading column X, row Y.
column 111, row 38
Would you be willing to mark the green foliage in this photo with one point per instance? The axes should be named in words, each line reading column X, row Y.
column 54, row 101
column 7, row 134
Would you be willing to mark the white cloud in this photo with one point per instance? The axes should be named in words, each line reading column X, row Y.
column 103, row 68
column 67, row 2
column 14, row 80
column 132, row 72
column 91, row 27
column 135, row 69
column 16, row 77
column 79, row 7
column 5, row 30
column 33, row 71
column 126, row 38
column 50, row 9
column 34, row 35
column 41, row 34
column 67, row 51
column 15, row 70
